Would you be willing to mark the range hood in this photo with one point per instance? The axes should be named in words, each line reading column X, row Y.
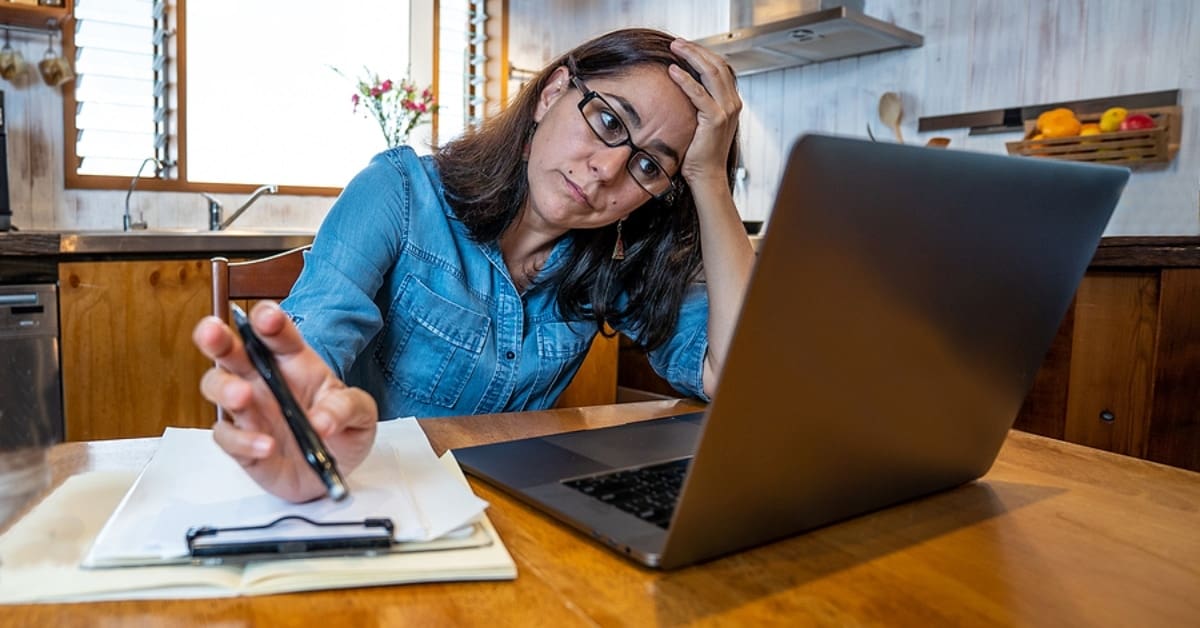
column 815, row 36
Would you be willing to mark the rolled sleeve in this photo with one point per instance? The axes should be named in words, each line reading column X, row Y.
column 681, row 359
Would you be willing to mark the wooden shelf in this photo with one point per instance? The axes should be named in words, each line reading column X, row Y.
column 1157, row 145
column 30, row 16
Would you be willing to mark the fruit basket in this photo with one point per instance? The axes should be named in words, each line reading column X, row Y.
column 1157, row 145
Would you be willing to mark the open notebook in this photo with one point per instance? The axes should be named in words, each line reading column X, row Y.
column 41, row 555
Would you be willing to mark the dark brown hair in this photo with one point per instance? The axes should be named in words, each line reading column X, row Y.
column 486, row 184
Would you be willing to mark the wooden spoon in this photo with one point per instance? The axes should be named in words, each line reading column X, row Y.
column 890, row 112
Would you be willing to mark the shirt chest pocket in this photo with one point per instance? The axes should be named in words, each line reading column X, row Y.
column 431, row 345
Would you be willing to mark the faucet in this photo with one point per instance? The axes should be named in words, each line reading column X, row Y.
column 215, row 221
column 129, row 222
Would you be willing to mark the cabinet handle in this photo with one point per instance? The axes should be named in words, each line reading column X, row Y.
column 1107, row 416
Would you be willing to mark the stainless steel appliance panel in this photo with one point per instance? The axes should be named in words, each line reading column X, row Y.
column 31, row 412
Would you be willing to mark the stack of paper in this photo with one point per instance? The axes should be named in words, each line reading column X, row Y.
column 190, row 482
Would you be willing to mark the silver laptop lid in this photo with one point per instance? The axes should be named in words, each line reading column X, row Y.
column 901, row 305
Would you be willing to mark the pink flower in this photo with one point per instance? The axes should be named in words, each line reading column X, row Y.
column 422, row 108
column 427, row 94
column 387, row 85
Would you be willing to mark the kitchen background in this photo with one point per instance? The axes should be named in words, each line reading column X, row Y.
column 978, row 54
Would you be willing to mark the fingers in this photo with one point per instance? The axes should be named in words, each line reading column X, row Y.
column 244, row 446
column 218, row 342
column 276, row 329
column 223, row 345
column 717, row 76
column 343, row 409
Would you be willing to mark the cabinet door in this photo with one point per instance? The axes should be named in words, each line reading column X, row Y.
column 1112, row 361
column 1175, row 424
column 128, row 364
column 1045, row 408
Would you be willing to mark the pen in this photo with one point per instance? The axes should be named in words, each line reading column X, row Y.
column 310, row 444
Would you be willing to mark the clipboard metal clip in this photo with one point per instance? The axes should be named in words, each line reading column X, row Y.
column 291, row 536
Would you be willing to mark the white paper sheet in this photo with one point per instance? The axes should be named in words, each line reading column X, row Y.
column 191, row 482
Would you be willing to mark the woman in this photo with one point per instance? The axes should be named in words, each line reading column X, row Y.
column 474, row 281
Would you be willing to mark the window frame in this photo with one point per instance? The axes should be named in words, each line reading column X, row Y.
column 177, row 59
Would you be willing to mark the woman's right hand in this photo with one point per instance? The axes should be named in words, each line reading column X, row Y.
column 254, row 432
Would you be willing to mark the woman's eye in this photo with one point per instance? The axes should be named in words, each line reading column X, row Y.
column 610, row 123
column 647, row 167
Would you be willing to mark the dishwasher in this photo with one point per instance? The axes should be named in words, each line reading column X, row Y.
column 30, row 386
column 31, row 415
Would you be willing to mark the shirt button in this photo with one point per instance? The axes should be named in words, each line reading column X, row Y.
column 510, row 355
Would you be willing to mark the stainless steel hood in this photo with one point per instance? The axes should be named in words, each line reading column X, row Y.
column 814, row 37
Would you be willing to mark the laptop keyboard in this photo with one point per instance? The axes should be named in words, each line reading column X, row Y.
column 648, row 493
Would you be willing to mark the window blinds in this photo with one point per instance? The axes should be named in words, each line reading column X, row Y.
column 121, row 91
column 462, row 66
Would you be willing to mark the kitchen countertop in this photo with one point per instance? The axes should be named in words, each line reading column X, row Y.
column 152, row 242
column 1114, row 252
column 1131, row 251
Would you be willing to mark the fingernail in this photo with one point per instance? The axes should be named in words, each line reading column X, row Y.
column 261, row 446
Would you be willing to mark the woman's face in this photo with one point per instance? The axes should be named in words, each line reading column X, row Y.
column 576, row 181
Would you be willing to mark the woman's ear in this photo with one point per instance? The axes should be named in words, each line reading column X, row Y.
column 556, row 86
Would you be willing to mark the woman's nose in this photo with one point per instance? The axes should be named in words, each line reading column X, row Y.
column 608, row 162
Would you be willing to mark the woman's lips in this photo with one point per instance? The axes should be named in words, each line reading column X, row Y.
column 577, row 193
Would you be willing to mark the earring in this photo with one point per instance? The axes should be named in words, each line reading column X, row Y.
column 619, row 248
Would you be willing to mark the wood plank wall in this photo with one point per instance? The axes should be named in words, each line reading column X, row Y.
column 978, row 54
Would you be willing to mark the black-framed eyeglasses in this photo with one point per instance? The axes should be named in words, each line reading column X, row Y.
column 603, row 120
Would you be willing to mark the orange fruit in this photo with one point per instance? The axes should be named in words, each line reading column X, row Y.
column 1061, row 127
column 1054, row 115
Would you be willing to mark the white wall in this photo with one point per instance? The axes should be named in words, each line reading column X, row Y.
column 978, row 54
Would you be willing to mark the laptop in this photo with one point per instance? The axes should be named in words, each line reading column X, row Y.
column 902, row 301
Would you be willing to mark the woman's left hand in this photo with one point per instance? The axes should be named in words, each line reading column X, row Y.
column 717, row 104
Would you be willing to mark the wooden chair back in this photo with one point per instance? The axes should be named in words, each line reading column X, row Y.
column 265, row 278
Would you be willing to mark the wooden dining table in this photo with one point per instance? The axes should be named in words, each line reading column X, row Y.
column 1055, row 534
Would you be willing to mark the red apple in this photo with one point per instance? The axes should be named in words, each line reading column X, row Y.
column 1136, row 122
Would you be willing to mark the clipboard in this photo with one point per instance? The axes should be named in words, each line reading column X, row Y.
column 173, row 515
column 209, row 545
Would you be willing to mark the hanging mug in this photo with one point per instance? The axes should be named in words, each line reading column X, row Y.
column 55, row 68
column 12, row 64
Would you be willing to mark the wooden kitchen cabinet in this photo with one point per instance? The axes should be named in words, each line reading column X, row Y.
column 129, row 368
column 1124, row 371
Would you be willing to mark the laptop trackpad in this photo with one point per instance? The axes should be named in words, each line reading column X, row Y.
column 634, row 443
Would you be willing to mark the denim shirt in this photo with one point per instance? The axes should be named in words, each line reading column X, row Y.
column 398, row 300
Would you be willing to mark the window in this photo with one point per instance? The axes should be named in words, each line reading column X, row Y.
column 230, row 93
column 462, row 69
column 115, row 113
